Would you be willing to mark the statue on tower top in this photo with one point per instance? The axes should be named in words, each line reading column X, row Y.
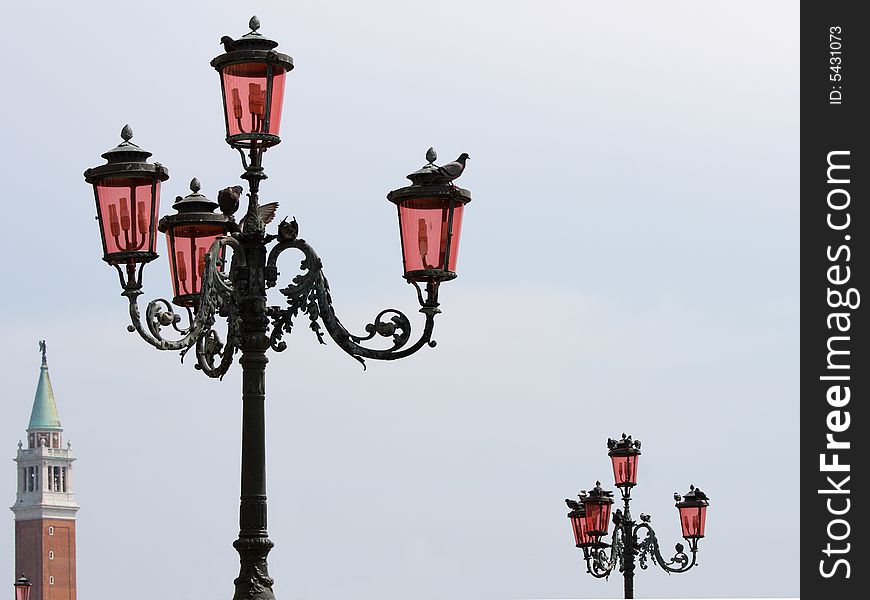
column 42, row 349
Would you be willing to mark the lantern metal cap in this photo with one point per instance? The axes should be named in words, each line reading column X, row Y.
column 126, row 151
column 194, row 202
column 126, row 159
column 23, row 581
column 254, row 40
column 693, row 498
column 195, row 208
column 577, row 513
column 599, row 495
column 429, row 182
column 623, row 447
column 251, row 46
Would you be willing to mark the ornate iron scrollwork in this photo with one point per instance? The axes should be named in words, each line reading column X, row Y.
column 217, row 292
column 649, row 550
column 307, row 293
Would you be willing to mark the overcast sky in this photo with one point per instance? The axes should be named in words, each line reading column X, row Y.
column 629, row 262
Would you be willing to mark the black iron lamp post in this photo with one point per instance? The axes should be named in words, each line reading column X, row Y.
column 590, row 516
column 208, row 284
column 22, row 588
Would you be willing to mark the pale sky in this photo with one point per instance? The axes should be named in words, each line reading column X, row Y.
column 629, row 262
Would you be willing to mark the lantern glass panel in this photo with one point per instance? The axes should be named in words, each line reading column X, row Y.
column 245, row 86
column 424, row 225
column 188, row 246
column 625, row 470
column 581, row 538
column 597, row 518
column 22, row 591
column 692, row 520
column 127, row 213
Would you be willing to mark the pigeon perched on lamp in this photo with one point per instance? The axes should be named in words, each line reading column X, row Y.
column 228, row 199
column 287, row 232
column 453, row 170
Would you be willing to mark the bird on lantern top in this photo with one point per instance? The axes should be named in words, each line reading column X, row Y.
column 453, row 170
column 228, row 199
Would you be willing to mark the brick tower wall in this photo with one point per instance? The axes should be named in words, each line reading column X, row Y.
column 32, row 547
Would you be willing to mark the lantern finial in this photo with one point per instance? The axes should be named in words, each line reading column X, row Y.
column 194, row 185
column 254, row 23
column 431, row 155
column 126, row 133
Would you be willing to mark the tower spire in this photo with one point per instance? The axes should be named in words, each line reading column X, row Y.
column 44, row 415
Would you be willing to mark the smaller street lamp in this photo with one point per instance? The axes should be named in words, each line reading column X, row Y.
column 127, row 193
column 693, row 513
column 22, row 588
column 189, row 235
column 623, row 454
column 252, row 84
column 430, row 221
column 577, row 515
column 597, row 504
column 589, row 520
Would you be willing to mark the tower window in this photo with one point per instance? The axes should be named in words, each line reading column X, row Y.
column 51, row 555
column 51, row 531
column 51, row 580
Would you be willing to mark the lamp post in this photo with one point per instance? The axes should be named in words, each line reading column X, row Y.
column 207, row 284
column 590, row 516
column 22, row 588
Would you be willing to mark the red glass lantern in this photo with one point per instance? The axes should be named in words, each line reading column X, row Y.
column 189, row 235
column 22, row 588
column 127, row 193
column 693, row 512
column 597, row 505
column 252, row 84
column 582, row 539
column 430, row 223
column 623, row 454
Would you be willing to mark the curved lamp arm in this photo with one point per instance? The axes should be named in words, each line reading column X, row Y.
column 309, row 293
column 598, row 564
column 159, row 313
column 649, row 548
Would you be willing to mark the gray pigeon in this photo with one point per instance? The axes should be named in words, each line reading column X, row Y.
column 228, row 199
column 287, row 232
column 267, row 213
column 453, row 170
column 228, row 43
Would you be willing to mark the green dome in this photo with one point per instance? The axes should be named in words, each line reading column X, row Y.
column 44, row 413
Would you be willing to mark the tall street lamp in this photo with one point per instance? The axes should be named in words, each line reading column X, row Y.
column 207, row 283
column 22, row 588
column 590, row 517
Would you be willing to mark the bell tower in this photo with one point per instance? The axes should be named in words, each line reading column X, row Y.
column 45, row 509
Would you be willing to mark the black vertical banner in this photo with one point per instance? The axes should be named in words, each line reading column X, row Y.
column 835, row 236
